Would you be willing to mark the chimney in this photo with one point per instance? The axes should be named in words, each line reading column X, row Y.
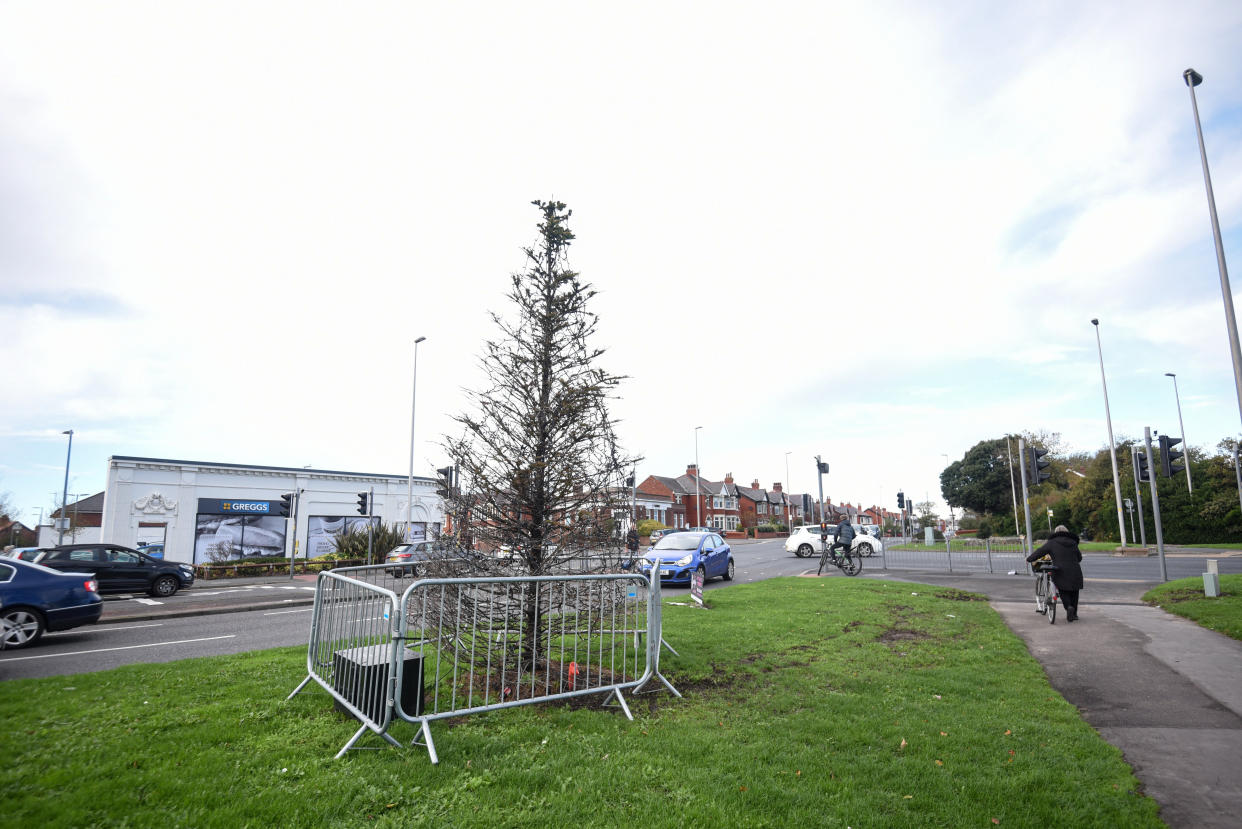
column 754, row 484
column 776, row 487
column 729, row 478
column 692, row 469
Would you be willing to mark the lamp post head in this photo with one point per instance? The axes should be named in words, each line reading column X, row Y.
column 1169, row 374
column 1095, row 322
column 1192, row 77
column 419, row 340
column 67, row 432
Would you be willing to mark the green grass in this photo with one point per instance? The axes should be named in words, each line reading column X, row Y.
column 1222, row 546
column 808, row 702
column 1185, row 598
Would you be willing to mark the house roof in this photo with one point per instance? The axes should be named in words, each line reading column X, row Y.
column 94, row 503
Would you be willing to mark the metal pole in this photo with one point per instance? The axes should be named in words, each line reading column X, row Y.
column 823, row 542
column 64, row 495
column 698, row 504
column 370, row 521
column 1155, row 503
column 1026, row 504
column 1193, row 79
column 1185, row 443
column 1013, row 491
column 1112, row 447
column 409, row 493
column 1130, row 512
column 1138, row 494
column 1237, row 471
column 293, row 552
column 788, row 513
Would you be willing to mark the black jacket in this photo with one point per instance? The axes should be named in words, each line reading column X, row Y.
column 844, row 532
column 1063, row 548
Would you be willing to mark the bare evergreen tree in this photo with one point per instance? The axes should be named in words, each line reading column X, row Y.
column 538, row 462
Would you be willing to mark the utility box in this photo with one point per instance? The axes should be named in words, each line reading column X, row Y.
column 358, row 675
column 1211, row 585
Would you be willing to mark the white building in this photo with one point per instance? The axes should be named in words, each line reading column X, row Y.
column 204, row 511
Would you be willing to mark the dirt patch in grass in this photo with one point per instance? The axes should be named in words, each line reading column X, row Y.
column 1184, row 594
column 901, row 635
column 960, row 596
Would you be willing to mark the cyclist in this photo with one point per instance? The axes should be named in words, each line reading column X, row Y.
column 843, row 536
column 1062, row 548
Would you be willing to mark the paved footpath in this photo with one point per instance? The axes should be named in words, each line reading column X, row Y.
column 1165, row 691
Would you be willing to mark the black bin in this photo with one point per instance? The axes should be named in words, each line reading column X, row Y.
column 358, row 676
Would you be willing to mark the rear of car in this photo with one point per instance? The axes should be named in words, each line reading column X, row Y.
column 407, row 557
column 35, row 599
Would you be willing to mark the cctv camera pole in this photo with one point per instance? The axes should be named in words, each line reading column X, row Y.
column 1155, row 502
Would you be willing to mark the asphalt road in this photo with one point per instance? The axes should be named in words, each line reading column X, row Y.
column 235, row 616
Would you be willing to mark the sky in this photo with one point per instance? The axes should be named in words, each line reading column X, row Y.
column 875, row 232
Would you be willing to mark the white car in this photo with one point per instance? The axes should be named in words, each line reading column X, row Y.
column 804, row 541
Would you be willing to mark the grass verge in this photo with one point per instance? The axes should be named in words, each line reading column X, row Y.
column 1185, row 598
column 820, row 702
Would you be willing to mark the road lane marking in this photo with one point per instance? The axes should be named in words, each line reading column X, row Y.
column 299, row 610
column 147, row 601
column 123, row 648
column 102, row 629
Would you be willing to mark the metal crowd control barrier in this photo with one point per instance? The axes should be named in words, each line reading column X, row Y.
column 454, row 646
column 958, row 556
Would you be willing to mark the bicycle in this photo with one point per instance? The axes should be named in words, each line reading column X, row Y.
column 1045, row 590
column 850, row 564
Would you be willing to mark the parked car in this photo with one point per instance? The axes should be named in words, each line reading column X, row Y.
column 677, row 556
column 25, row 553
column 34, row 599
column 656, row 535
column 804, row 541
column 409, row 555
column 153, row 550
column 120, row 569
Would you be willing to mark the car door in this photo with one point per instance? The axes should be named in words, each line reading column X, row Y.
column 130, row 571
column 81, row 560
column 707, row 550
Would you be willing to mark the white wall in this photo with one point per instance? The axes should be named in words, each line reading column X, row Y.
column 165, row 494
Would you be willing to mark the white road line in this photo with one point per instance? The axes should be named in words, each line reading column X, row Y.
column 265, row 587
column 299, row 610
column 147, row 601
column 124, row 648
column 101, row 629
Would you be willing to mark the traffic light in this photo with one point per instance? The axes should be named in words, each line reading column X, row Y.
column 286, row 501
column 1169, row 456
column 1035, row 466
column 901, row 500
column 362, row 503
column 445, row 475
column 629, row 481
column 1140, row 462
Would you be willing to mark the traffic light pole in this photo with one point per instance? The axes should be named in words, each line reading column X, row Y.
column 1026, row 501
column 823, row 519
column 370, row 522
column 1155, row 502
column 1138, row 493
column 293, row 553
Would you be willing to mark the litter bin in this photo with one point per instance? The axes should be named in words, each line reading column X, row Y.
column 358, row 675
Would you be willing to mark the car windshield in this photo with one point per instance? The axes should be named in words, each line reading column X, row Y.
column 679, row 541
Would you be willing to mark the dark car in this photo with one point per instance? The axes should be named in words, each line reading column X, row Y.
column 34, row 599
column 679, row 555
column 120, row 569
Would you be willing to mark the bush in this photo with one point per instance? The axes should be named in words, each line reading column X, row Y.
column 1040, row 535
column 766, row 528
column 353, row 544
column 649, row 525
column 985, row 529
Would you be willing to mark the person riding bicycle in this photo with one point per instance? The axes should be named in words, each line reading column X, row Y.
column 843, row 535
column 1062, row 548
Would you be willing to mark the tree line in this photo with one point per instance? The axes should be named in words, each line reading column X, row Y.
column 1080, row 493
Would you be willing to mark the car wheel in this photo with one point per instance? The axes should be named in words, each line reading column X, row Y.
column 865, row 549
column 165, row 586
column 804, row 550
column 728, row 574
column 21, row 627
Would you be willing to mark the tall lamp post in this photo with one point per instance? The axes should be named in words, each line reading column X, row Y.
column 409, row 493
column 64, row 495
column 698, row 504
column 1112, row 448
column 952, row 518
column 1185, row 443
column 1193, row 79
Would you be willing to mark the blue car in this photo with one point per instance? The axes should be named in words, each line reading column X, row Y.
column 679, row 555
column 34, row 599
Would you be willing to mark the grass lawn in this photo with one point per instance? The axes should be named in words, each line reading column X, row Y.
column 1185, row 598
column 808, row 702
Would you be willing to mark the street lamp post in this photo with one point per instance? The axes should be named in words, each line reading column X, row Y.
column 952, row 518
column 409, row 493
column 1112, row 448
column 1193, row 79
column 698, row 504
column 788, row 514
column 1185, row 443
column 64, row 496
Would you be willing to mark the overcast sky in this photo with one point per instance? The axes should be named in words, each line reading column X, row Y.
column 872, row 231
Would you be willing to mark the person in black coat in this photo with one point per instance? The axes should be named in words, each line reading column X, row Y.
column 1062, row 548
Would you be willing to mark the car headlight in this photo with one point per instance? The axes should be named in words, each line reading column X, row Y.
column 684, row 560
column 189, row 571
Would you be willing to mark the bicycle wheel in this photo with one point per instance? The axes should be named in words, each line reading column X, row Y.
column 1041, row 606
column 1052, row 609
column 850, row 565
column 823, row 559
